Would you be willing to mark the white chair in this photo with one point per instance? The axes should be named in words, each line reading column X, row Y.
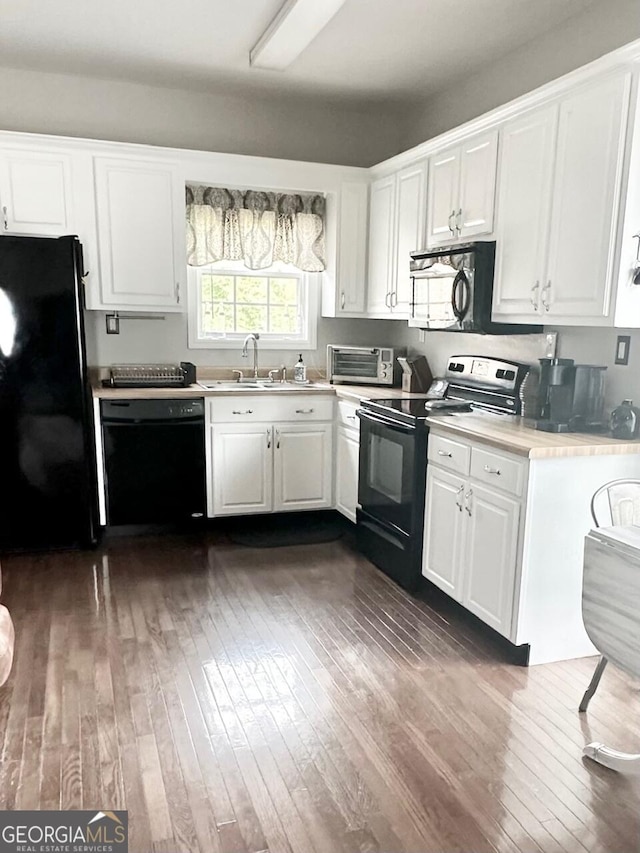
column 615, row 504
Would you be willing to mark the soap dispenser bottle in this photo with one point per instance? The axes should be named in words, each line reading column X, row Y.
column 300, row 370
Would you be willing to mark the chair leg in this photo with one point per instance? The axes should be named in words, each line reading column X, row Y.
column 593, row 684
column 623, row 762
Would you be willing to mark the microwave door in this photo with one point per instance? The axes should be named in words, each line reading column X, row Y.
column 432, row 305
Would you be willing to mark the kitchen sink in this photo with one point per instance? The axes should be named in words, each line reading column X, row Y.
column 252, row 385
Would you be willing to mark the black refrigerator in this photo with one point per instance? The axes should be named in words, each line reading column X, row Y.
column 48, row 492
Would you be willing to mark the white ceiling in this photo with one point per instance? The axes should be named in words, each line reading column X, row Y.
column 372, row 50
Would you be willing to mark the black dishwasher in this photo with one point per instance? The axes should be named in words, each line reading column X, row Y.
column 154, row 460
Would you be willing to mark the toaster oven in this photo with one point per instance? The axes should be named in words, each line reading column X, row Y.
column 363, row 365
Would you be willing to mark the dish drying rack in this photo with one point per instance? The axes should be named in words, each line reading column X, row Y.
column 151, row 375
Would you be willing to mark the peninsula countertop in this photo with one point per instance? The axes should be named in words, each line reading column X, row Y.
column 519, row 436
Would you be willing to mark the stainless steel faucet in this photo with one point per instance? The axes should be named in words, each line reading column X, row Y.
column 245, row 349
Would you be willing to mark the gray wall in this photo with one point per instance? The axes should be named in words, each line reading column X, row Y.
column 166, row 341
column 606, row 25
column 285, row 127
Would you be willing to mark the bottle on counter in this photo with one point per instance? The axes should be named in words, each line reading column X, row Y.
column 300, row 370
column 625, row 420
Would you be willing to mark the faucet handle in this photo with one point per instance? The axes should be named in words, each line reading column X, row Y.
column 272, row 374
column 240, row 375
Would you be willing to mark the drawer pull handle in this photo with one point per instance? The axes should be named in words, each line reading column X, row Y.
column 445, row 453
column 351, row 418
column 245, row 412
column 458, row 493
column 268, row 438
column 491, row 470
column 277, row 439
column 467, row 498
column 304, row 411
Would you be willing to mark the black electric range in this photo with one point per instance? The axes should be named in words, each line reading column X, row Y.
column 393, row 457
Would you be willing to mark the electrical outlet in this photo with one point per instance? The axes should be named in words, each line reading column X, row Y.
column 113, row 324
column 422, row 336
column 551, row 345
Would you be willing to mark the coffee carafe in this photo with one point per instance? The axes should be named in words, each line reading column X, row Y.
column 571, row 396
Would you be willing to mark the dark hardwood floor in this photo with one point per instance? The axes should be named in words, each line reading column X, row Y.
column 294, row 699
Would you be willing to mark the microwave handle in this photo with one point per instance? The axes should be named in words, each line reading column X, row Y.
column 460, row 283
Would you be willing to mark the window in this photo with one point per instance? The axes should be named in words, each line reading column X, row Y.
column 225, row 304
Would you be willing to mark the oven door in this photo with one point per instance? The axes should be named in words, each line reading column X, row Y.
column 386, row 482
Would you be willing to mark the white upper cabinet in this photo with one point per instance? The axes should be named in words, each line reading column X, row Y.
column 381, row 220
column 409, row 232
column 36, row 192
column 396, row 228
column 141, row 234
column 524, row 201
column 444, row 184
column 586, row 193
column 349, row 297
column 461, row 194
column 478, row 159
column 559, row 197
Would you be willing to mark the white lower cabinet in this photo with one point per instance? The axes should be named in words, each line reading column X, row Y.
column 302, row 463
column 243, row 468
column 490, row 555
column 471, row 531
column 347, row 463
column 258, row 465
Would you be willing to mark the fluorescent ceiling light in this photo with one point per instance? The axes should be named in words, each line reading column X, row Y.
column 294, row 27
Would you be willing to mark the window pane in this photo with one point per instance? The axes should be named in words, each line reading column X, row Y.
column 251, row 289
column 251, row 318
column 284, row 319
column 222, row 318
column 283, row 290
column 222, row 288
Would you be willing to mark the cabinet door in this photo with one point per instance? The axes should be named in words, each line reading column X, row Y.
column 141, row 234
column 410, row 216
column 347, row 456
column 443, row 530
column 478, row 159
column 586, row 190
column 302, row 466
column 381, row 217
column 242, row 468
column 490, row 556
column 442, row 193
column 35, row 193
column 352, row 249
column 524, row 206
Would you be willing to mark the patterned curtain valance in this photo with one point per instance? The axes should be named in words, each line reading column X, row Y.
column 255, row 227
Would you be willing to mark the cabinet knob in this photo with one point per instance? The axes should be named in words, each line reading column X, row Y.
column 491, row 470
column 534, row 295
column 545, row 296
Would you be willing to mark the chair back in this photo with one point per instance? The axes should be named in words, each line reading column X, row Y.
column 617, row 503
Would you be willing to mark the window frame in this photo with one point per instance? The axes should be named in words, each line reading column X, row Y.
column 309, row 290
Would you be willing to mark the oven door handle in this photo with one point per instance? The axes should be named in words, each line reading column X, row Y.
column 367, row 416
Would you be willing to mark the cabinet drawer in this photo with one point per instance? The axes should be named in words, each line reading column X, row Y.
column 267, row 407
column 347, row 415
column 497, row 470
column 449, row 454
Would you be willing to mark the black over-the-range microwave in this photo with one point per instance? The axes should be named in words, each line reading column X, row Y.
column 452, row 290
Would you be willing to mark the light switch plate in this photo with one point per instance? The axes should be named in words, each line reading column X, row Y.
column 623, row 345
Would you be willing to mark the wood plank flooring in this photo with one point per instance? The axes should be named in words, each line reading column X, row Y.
column 237, row 700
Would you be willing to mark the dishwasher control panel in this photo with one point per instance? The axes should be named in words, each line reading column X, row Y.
column 137, row 411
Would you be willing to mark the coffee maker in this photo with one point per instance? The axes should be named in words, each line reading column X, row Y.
column 571, row 396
